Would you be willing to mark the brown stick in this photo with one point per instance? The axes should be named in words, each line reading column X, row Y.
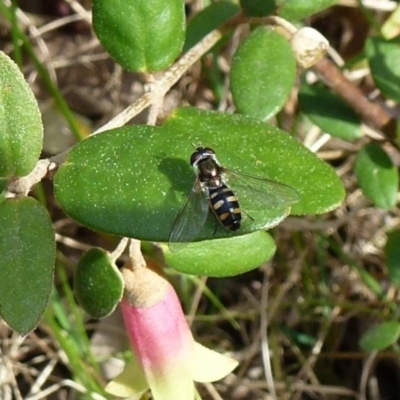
column 372, row 113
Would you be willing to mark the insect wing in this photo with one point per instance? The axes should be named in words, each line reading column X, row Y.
column 264, row 202
column 190, row 219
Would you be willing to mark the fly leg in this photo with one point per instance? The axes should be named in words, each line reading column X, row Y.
column 247, row 215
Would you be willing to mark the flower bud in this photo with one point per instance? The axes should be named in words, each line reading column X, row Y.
column 309, row 46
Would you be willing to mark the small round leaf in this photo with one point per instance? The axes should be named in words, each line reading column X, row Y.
column 98, row 284
column 295, row 10
column 208, row 19
column 381, row 336
column 236, row 255
column 392, row 252
column 141, row 35
column 21, row 130
column 260, row 8
column 384, row 61
column 27, row 249
column 377, row 176
column 263, row 73
column 329, row 112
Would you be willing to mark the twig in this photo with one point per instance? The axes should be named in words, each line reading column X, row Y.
column 371, row 112
column 158, row 89
column 80, row 10
column 135, row 255
column 163, row 84
column 120, row 249
column 22, row 186
column 265, row 351
column 366, row 373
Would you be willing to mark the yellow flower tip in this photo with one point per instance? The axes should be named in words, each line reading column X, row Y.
column 130, row 383
column 167, row 360
column 210, row 366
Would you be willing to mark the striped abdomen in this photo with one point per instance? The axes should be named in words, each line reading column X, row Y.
column 225, row 206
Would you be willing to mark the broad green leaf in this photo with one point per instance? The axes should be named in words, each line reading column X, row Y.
column 141, row 35
column 133, row 181
column 27, row 249
column 251, row 146
column 262, row 74
column 208, row 19
column 377, row 176
column 236, row 255
column 384, row 61
column 329, row 112
column 392, row 252
column 98, row 284
column 21, row 130
column 381, row 336
column 260, row 8
column 295, row 10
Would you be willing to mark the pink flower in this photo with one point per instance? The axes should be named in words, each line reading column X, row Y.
column 166, row 359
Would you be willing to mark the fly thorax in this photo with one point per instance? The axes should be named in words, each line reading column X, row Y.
column 209, row 172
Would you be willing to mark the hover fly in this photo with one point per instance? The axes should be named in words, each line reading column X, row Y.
column 224, row 192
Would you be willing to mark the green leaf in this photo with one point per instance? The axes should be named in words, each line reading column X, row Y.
column 377, row 176
column 238, row 255
column 295, row 10
column 21, row 130
column 208, row 19
column 260, row 8
column 262, row 74
column 381, row 336
column 142, row 35
column 329, row 112
column 98, row 284
column 27, row 249
column 133, row 181
column 3, row 186
column 392, row 252
column 384, row 61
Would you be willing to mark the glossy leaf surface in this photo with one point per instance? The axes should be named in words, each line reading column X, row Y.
column 208, row 19
column 21, row 130
column 384, row 61
column 134, row 180
column 329, row 112
column 263, row 73
column 381, row 336
column 27, row 249
column 377, row 176
column 98, row 284
column 234, row 256
column 296, row 10
column 141, row 35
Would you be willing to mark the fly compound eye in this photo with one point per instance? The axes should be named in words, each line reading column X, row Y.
column 201, row 153
column 208, row 151
column 196, row 156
